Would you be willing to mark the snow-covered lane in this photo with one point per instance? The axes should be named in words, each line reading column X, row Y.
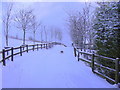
column 50, row 69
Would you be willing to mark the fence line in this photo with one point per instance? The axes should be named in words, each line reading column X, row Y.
column 10, row 53
column 94, row 64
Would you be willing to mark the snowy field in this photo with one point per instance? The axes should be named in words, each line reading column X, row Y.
column 50, row 69
column 16, row 43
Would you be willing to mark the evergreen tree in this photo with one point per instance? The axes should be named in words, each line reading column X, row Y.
column 107, row 26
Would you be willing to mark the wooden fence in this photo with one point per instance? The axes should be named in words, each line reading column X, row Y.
column 94, row 64
column 10, row 53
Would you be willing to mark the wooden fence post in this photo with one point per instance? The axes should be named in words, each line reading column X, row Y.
column 7, row 52
column 33, row 47
column 78, row 56
column 72, row 44
column 37, row 47
column 41, row 46
column 3, row 57
column 75, row 52
column 117, row 71
column 23, row 47
column 27, row 48
column 92, row 63
column 20, row 51
column 50, row 45
column 46, row 46
column 12, row 54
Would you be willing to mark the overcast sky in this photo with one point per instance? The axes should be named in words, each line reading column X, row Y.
column 51, row 14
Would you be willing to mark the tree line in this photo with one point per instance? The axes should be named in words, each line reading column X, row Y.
column 80, row 26
column 25, row 20
column 98, row 30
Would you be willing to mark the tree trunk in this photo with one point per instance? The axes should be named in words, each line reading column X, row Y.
column 46, row 35
column 34, row 37
column 41, row 36
column 24, row 37
column 7, row 34
column 6, row 40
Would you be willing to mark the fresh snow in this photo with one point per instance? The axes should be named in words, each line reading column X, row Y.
column 15, row 42
column 50, row 69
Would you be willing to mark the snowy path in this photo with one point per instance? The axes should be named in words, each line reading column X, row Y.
column 50, row 69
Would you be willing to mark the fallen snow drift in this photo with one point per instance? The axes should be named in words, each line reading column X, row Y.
column 50, row 69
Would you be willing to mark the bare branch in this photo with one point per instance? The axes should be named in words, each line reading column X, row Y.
column 24, row 21
column 7, row 20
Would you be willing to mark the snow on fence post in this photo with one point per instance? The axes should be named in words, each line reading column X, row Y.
column 78, row 56
column 3, row 56
column 12, row 54
column 75, row 52
column 117, row 71
column 92, row 63
column 46, row 46
column 20, row 50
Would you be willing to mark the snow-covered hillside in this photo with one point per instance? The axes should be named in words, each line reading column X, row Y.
column 50, row 69
column 15, row 42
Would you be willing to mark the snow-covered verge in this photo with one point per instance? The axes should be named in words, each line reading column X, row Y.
column 15, row 43
column 0, row 42
column 50, row 69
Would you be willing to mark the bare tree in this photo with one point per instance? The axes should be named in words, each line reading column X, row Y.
column 89, row 33
column 45, row 33
column 56, row 34
column 59, row 35
column 7, row 20
column 76, row 29
column 48, row 34
column 41, row 35
column 80, row 25
column 35, row 26
column 52, row 34
column 23, row 20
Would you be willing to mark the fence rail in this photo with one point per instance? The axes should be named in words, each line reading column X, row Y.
column 94, row 64
column 10, row 53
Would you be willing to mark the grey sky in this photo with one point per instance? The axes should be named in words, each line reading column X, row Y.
column 51, row 14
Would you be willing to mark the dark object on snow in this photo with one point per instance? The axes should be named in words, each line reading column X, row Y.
column 65, row 46
column 61, row 51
